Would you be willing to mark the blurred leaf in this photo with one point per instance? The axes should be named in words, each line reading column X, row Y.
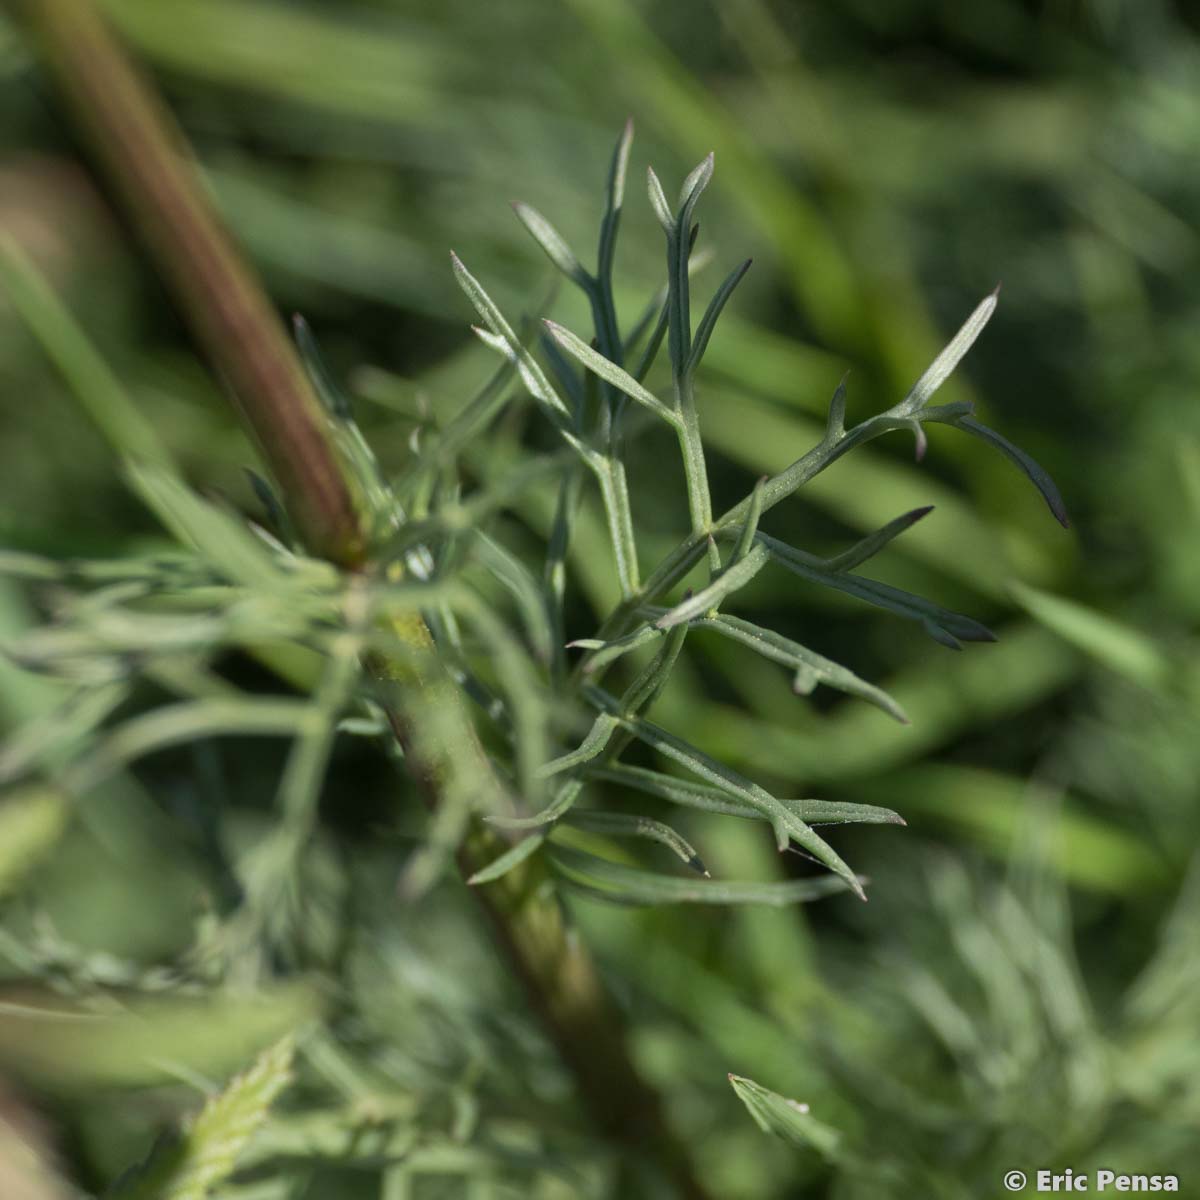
column 787, row 1119
column 31, row 821
column 93, row 384
column 144, row 1040
column 1110, row 642
column 208, row 1152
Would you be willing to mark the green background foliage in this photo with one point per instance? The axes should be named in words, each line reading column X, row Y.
column 1020, row 989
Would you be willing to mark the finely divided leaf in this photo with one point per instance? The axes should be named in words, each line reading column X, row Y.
column 602, row 879
column 800, row 658
column 943, row 626
column 531, row 374
column 786, row 824
column 692, row 794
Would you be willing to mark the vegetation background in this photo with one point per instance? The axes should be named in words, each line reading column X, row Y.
column 1021, row 989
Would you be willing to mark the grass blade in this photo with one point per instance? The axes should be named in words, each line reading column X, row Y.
column 786, row 1119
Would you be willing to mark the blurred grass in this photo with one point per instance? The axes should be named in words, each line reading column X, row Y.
column 885, row 165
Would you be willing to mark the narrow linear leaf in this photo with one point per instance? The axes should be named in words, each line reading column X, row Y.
column 507, row 861
column 564, row 798
column 785, row 823
column 592, row 746
column 711, row 314
column 531, row 374
column 651, row 680
column 649, row 316
column 1036, row 473
column 940, row 369
column 336, row 402
column 750, row 524
column 553, row 244
column 835, row 424
column 698, row 179
column 1116, row 645
column 516, row 579
column 602, row 879
column 946, row 627
column 691, row 794
column 630, row 825
column 728, row 582
column 786, row 1119
column 780, row 649
column 609, row 652
column 654, row 344
column 87, row 375
column 874, row 542
column 216, row 535
column 615, row 199
column 658, row 201
column 610, row 372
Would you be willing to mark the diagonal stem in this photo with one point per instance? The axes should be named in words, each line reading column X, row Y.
column 146, row 159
